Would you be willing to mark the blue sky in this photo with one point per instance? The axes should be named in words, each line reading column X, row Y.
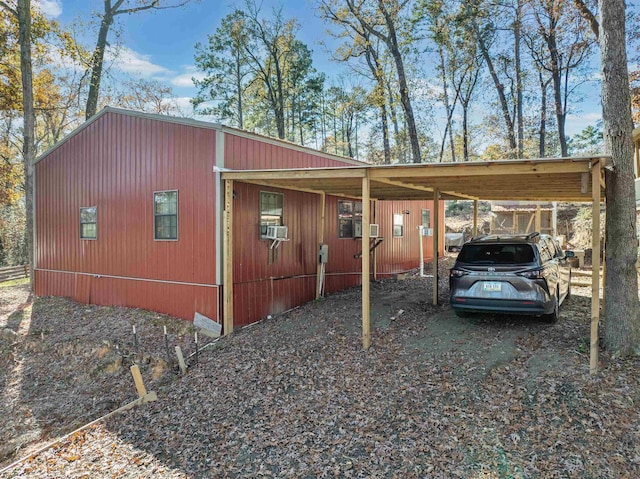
column 160, row 44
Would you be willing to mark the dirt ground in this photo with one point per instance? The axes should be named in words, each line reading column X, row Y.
column 296, row 396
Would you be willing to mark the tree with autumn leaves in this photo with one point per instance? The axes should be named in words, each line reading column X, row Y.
column 20, row 16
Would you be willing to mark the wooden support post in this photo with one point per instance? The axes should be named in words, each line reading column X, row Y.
column 603, row 303
column 366, row 257
column 137, row 379
column 595, row 266
column 584, row 183
column 436, row 234
column 420, row 242
column 320, row 235
column 475, row 217
column 227, row 258
column 538, row 219
column 181, row 363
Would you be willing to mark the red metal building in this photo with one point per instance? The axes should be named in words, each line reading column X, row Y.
column 129, row 212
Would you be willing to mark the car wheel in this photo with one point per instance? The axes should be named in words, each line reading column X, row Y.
column 553, row 316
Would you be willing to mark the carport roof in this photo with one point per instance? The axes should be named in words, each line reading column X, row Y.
column 548, row 179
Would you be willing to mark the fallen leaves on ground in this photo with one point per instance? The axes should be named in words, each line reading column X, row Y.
column 434, row 396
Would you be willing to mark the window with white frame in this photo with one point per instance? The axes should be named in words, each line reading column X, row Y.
column 349, row 218
column 426, row 218
column 398, row 225
column 271, row 211
column 165, row 215
column 89, row 222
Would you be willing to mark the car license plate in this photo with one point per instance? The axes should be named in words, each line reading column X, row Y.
column 492, row 286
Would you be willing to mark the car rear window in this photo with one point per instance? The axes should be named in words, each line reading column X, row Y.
column 496, row 254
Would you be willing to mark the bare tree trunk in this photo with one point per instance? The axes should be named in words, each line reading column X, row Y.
column 323, row 119
column 391, row 40
column 280, row 95
column 385, row 133
column 111, row 10
column 404, row 88
column 399, row 143
column 447, row 107
column 517, row 30
column 622, row 325
column 499, row 89
column 465, row 100
column 465, row 133
column 300, row 129
column 374, row 65
column 556, row 75
column 97, row 62
column 348, row 131
column 239, row 89
column 543, row 114
column 335, row 133
column 23, row 13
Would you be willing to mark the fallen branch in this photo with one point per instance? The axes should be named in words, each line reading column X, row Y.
column 149, row 397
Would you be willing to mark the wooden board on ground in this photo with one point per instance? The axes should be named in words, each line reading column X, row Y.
column 207, row 326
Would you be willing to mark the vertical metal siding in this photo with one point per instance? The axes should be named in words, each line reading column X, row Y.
column 261, row 288
column 243, row 153
column 116, row 164
column 403, row 253
column 342, row 270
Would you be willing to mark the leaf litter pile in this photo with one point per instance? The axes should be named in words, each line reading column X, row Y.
column 296, row 396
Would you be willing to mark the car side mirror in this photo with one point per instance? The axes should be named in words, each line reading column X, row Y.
column 569, row 254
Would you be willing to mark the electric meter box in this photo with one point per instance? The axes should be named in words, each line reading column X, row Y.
column 324, row 253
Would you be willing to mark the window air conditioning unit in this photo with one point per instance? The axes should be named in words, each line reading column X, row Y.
column 373, row 230
column 277, row 232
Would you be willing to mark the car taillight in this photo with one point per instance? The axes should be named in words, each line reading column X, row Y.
column 456, row 273
column 532, row 274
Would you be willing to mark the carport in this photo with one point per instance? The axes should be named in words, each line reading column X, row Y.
column 556, row 179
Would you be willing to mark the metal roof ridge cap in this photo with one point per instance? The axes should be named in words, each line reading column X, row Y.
column 182, row 120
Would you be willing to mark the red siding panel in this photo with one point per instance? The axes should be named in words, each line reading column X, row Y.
column 116, row 163
column 242, row 153
column 397, row 254
column 262, row 287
